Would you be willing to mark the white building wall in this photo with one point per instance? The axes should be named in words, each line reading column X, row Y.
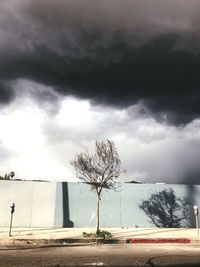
column 35, row 204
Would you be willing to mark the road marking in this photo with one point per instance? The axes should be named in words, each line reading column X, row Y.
column 94, row 264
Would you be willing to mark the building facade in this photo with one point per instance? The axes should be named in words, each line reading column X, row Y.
column 63, row 204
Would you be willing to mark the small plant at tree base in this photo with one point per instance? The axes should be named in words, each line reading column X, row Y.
column 85, row 234
column 102, row 233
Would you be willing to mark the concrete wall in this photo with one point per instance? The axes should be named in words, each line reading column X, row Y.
column 57, row 204
column 37, row 204
column 122, row 208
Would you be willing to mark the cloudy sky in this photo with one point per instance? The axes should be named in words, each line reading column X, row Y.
column 76, row 71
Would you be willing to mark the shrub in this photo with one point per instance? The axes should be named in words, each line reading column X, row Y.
column 102, row 233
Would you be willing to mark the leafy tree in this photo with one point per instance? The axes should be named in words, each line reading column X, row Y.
column 8, row 176
column 100, row 170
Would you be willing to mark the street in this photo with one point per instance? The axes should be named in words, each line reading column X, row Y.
column 102, row 255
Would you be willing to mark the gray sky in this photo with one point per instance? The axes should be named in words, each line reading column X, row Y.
column 72, row 72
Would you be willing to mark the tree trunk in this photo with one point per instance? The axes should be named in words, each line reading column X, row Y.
column 97, row 214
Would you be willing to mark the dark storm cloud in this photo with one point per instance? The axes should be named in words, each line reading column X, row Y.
column 112, row 52
column 6, row 93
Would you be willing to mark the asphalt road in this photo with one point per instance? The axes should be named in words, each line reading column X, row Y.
column 102, row 255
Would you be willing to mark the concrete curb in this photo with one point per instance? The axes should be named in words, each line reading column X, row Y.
column 157, row 240
column 91, row 241
column 60, row 241
column 72, row 241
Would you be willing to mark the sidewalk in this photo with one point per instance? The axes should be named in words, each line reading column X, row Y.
column 119, row 235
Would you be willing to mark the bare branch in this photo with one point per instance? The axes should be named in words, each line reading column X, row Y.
column 101, row 169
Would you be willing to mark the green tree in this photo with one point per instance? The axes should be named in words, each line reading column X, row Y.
column 8, row 176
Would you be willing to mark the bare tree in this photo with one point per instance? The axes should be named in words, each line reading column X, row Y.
column 100, row 170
